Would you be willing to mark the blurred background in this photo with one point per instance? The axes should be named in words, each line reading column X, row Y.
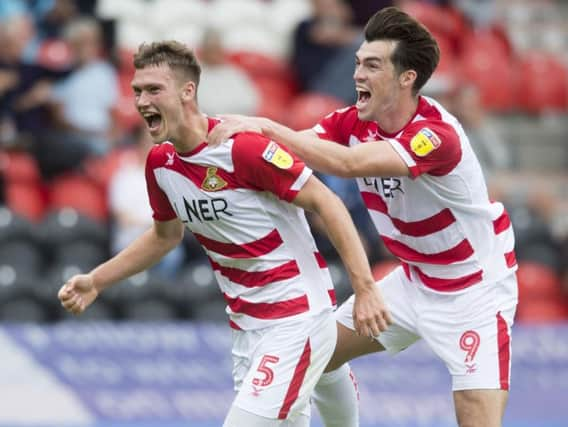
column 154, row 350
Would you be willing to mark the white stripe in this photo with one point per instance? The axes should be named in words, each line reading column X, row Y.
column 402, row 153
column 301, row 180
column 433, row 243
column 219, row 156
column 319, row 129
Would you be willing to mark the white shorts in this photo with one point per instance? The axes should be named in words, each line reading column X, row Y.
column 470, row 331
column 275, row 369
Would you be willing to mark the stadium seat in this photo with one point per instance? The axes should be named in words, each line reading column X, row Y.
column 83, row 253
column 487, row 66
column 257, row 64
column 68, row 225
column 19, row 166
column 81, row 193
column 537, row 282
column 307, row 109
column 101, row 169
column 26, row 198
column 14, row 226
column 545, row 311
column 542, row 83
column 22, row 255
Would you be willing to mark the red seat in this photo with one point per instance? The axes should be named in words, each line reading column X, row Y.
column 537, row 281
column 26, row 198
column 81, row 193
column 545, row 311
column 20, row 166
column 309, row 108
column 257, row 64
column 488, row 67
column 542, row 83
column 101, row 169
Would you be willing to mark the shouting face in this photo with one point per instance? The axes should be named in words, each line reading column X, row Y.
column 376, row 80
column 159, row 96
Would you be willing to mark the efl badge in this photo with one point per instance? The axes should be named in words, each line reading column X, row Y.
column 277, row 156
column 212, row 181
column 424, row 142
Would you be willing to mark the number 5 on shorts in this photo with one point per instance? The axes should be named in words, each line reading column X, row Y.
column 265, row 370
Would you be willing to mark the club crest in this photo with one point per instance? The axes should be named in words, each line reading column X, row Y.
column 212, row 181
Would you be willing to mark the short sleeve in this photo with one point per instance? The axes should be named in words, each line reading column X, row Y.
column 336, row 126
column 264, row 165
column 429, row 146
column 161, row 208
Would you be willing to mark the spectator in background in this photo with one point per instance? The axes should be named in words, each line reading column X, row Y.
column 130, row 209
column 323, row 49
column 224, row 87
column 24, row 86
column 81, row 104
column 492, row 151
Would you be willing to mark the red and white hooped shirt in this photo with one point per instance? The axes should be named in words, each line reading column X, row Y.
column 235, row 199
column 439, row 221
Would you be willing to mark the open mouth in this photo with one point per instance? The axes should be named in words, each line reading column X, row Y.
column 153, row 120
column 363, row 98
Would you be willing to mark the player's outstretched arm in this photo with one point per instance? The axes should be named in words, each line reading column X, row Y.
column 371, row 316
column 376, row 158
column 81, row 290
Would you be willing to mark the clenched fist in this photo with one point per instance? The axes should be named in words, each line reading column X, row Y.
column 78, row 293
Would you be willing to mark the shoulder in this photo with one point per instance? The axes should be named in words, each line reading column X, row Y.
column 159, row 155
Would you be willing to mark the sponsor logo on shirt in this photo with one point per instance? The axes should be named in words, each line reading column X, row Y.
column 212, row 181
column 277, row 156
column 170, row 160
column 424, row 142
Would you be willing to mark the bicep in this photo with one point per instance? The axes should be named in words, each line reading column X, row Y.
column 169, row 230
column 313, row 195
column 376, row 158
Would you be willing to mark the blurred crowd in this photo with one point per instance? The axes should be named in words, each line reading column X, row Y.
column 72, row 147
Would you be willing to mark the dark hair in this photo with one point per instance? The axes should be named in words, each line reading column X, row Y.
column 176, row 55
column 416, row 48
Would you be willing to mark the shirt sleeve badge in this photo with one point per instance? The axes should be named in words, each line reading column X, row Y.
column 424, row 142
column 212, row 181
column 277, row 156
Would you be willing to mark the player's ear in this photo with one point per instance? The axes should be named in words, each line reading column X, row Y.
column 189, row 91
column 407, row 78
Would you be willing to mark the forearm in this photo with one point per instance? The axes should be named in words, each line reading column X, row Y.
column 318, row 154
column 143, row 253
column 345, row 238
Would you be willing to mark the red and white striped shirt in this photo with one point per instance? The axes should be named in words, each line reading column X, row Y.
column 439, row 222
column 235, row 198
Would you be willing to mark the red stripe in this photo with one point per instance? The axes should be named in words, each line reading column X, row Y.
column 321, row 260
column 332, row 296
column 503, row 347
column 460, row 252
column 253, row 279
column 233, row 325
column 406, row 269
column 511, row 259
column 449, row 285
column 424, row 227
column 265, row 310
column 374, row 202
column 297, row 380
column 254, row 249
column 502, row 223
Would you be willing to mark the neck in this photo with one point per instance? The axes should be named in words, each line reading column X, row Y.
column 395, row 119
column 193, row 132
